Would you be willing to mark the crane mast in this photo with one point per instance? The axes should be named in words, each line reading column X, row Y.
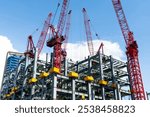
column 57, row 39
column 137, row 88
column 88, row 32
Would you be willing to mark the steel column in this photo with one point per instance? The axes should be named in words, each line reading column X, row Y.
column 54, row 87
column 73, row 89
column 101, row 76
column 113, row 77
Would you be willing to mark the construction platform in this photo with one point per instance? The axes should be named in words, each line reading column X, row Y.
column 98, row 77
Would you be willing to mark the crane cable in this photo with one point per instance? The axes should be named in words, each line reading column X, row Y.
column 55, row 13
column 96, row 34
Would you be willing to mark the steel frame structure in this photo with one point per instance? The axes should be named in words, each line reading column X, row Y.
column 111, row 80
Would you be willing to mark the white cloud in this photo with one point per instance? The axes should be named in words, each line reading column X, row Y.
column 43, row 57
column 5, row 46
column 78, row 51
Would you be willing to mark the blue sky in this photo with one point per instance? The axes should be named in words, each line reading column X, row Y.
column 20, row 18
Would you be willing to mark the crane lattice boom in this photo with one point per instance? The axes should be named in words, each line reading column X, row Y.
column 61, row 21
column 42, row 38
column 137, row 88
column 88, row 32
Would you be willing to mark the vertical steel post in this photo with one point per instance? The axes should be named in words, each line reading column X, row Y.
column 65, row 66
column 113, row 77
column 77, row 66
column 15, row 79
column 89, row 83
column 101, row 76
column 73, row 89
column 51, row 59
column 93, row 94
column 34, row 69
column 89, row 91
column 118, row 91
column 47, row 58
column 54, row 87
column 35, row 63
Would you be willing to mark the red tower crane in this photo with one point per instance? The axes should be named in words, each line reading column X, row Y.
column 88, row 32
column 137, row 88
column 57, row 39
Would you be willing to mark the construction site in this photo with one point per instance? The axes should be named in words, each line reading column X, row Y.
column 97, row 77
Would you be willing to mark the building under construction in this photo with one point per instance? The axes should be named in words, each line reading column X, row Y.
column 98, row 77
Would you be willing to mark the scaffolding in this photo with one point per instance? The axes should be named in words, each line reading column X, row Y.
column 98, row 77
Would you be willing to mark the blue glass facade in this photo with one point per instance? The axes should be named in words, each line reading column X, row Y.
column 12, row 63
